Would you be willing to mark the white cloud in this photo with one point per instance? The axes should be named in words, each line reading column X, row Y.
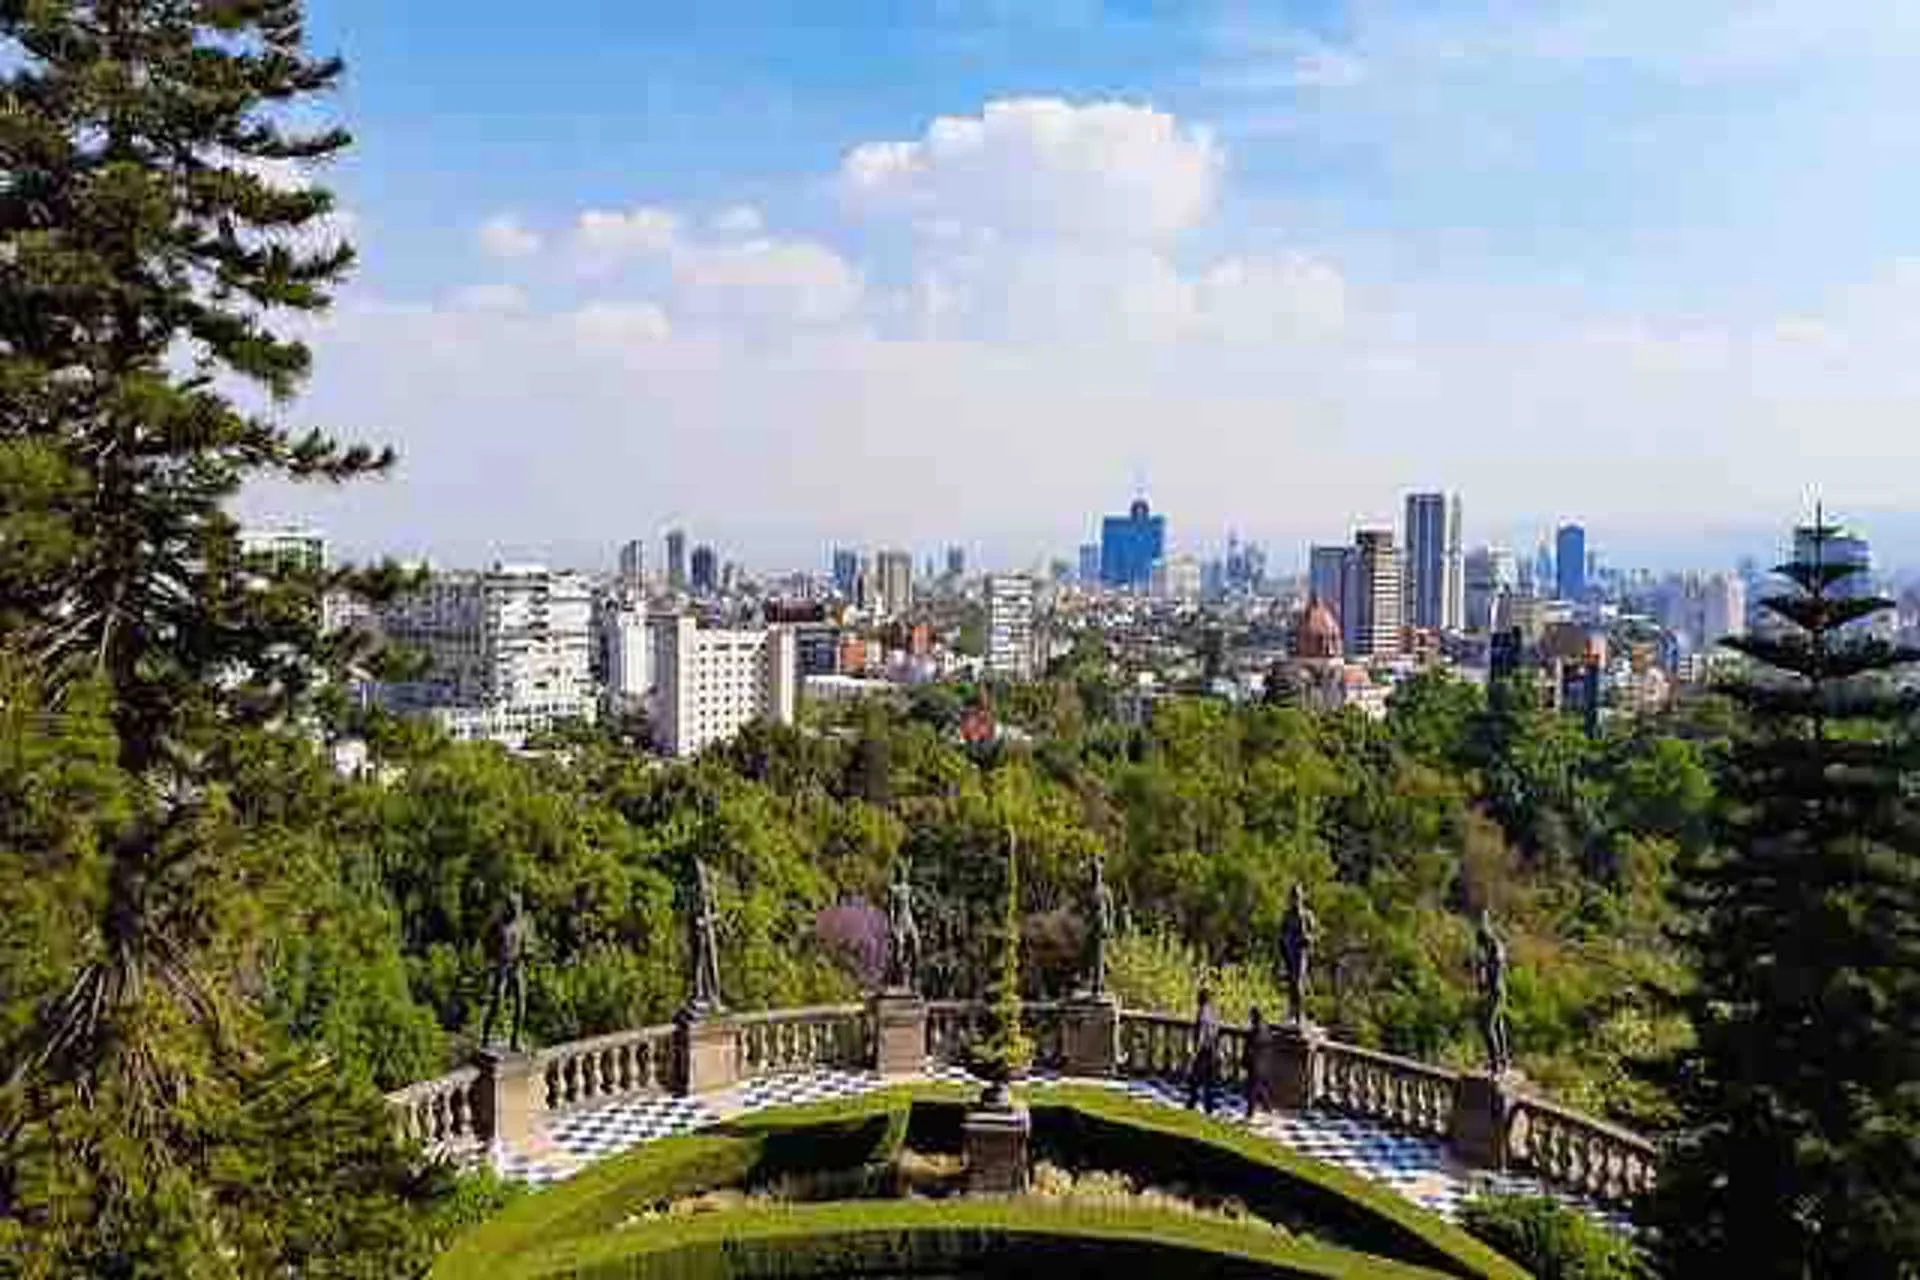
column 796, row 281
column 1271, row 299
column 605, row 238
column 621, row 325
column 739, row 220
column 490, row 297
column 502, row 236
column 1042, row 166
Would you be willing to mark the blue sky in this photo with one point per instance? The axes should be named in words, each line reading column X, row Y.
column 723, row 264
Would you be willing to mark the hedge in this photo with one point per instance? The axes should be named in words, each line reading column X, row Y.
column 970, row 1236
column 1076, row 1126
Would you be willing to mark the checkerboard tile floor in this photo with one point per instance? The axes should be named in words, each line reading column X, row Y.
column 1417, row 1167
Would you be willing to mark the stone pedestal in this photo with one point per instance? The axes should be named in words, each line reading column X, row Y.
column 899, row 1033
column 1291, row 1065
column 706, row 1050
column 1480, row 1128
column 510, row 1100
column 1090, row 1036
column 994, row 1144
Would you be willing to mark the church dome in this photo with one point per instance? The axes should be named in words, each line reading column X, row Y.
column 1317, row 633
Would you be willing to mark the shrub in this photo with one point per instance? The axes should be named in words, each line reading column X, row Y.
column 1551, row 1240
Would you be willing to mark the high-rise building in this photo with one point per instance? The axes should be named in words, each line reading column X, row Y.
column 1010, row 625
column 632, row 567
column 703, row 575
column 709, row 683
column 956, row 561
column 846, row 570
column 1492, row 575
column 1089, row 564
column 626, row 657
column 1570, row 559
column 1130, row 545
column 1327, row 582
column 1374, row 594
column 895, row 585
column 1723, row 608
column 1453, row 610
column 1426, row 560
column 676, row 560
column 1176, row 578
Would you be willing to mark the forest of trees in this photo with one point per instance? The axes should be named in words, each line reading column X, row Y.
column 216, row 951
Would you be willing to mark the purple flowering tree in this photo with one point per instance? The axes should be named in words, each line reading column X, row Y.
column 855, row 934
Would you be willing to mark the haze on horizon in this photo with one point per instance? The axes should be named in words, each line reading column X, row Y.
column 966, row 277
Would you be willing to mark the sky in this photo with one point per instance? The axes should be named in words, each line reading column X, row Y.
column 927, row 273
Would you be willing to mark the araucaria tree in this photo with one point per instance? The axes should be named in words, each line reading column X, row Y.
column 1802, row 1094
column 157, row 222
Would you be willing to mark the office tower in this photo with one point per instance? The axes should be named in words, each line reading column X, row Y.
column 1426, row 560
column 1130, row 545
column 1089, row 564
column 1723, row 608
column 703, row 575
column 1178, row 578
column 1009, row 626
column 1453, row 609
column 632, row 567
column 1374, row 594
column 625, row 656
column 709, row 683
column 956, row 562
column 1492, row 575
column 1570, row 558
column 676, row 560
column 1541, row 581
column 285, row 547
column 1327, row 582
column 846, row 571
column 895, row 582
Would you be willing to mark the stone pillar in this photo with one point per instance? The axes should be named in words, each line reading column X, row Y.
column 706, row 1053
column 1291, row 1065
column 1090, row 1036
column 994, row 1145
column 511, row 1099
column 899, row 1033
column 1480, row 1129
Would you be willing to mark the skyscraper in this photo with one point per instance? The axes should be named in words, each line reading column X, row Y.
column 1453, row 610
column 846, row 570
column 632, row 567
column 895, row 570
column 1010, row 625
column 705, row 571
column 1374, row 593
column 957, row 561
column 1089, row 564
column 1570, row 559
column 1327, row 583
column 1427, row 543
column 1491, row 576
column 1129, row 546
column 676, row 560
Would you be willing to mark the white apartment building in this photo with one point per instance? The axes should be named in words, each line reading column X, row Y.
column 626, row 651
column 1176, row 578
column 1010, row 625
column 709, row 683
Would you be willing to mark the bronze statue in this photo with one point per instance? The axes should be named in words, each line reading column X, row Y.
column 903, row 933
column 702, row 950
column 1298, row 932
column 508, row 976
column 1491, row 973
column 1099, row 928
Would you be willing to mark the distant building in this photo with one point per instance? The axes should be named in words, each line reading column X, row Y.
column 626, row 657
column 703, row 577
column 895, row 585
column 676, row 560
column 1431, row 565
column 1178, row 578
column 1327, row 568
column 1453, row 612
column 1089, row 564
column 1130, row 546
column 710, row 683
column 285, row 547
column 632, row 567
column 1374, row 595
column 1570, row 559
column 1723, row 611
column 956, row 562
column 846, row 571
column 1492, row 576
column 1010, row 626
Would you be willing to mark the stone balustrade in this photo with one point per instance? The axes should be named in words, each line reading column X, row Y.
column 1493, row 1122
column 1402, row 1092
column 606, row 1068
column 1578, row 1152
column 440, row 1114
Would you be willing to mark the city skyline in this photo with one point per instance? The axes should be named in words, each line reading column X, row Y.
column 972, row 269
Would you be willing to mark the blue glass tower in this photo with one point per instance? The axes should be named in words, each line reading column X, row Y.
column 1570, row 558
column 1129, row 546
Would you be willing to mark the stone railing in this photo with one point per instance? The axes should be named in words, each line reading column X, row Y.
column 1402, row 1092
column 606, row 1068
column 1155, row 1045
column 441, row 1114
column 1578, row 1152
column 796, row 1039
column 953, row 1026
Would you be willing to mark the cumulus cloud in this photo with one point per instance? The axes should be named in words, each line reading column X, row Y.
column 490, row 297
column 1045, row 167
column 1271, row 299
column 739, row 220
column 767, row 279
column 605, row 238
column 502, row 236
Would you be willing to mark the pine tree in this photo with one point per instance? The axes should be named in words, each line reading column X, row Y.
column 157, row 221
column 1005, row 1051
column 1802, row 1094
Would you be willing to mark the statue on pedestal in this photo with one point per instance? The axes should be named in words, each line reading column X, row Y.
column 1491, row 974
column 1099, row 929
column 507, row 978
column 1298, row 932
column 702, row 949
column 903, row 933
